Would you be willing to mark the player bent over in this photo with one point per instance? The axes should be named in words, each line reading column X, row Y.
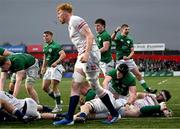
column 23, row 65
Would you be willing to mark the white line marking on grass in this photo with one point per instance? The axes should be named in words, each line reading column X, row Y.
column 175, row 104
column 91, row 128
column 163, row 81
column 153, row 118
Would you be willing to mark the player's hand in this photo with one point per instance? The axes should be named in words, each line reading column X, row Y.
column 127, row 106
column 81, row 101
column 125, row 58
column 151, row 91
column 118, row 29
column 54, row 65
column 85, row 57
column 43, row 70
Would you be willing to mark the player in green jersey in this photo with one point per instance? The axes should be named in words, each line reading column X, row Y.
column 121, row 82
column 22, row 65
column 125, row 51
column 103, row 40
column 52, row 68
column 3, row 52
column 86, row 92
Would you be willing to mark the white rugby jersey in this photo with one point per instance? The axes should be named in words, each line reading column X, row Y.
column 148, row 100
column 75, row 26
column 18, row 103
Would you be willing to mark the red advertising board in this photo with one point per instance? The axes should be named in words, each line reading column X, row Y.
column 34, row 48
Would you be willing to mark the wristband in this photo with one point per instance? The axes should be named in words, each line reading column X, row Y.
column 115, row 32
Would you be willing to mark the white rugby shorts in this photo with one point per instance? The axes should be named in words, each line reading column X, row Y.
column 54, row 73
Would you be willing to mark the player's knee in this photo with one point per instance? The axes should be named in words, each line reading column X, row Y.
column 45, row 89
column 46, row 86
column 30, row 81
column 139, row 76
column 77, row 77
column 94, row 83
column 55, row 89
column 29, row 89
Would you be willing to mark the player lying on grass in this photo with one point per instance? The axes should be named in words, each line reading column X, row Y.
column 148, row 105
column 145, row 105
column 10, row 109
column 27, row 107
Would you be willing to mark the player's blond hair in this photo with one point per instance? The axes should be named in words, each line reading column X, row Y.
column 65, row 7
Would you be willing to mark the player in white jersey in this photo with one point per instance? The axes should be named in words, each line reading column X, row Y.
column 148, row 104
column 27, row 106
column 87, row 64
column 6, row 110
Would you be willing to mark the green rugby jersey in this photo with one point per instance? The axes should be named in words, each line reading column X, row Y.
column 21, row 61
column 106, row 57
column 121, row 86
column 1, row 51
column 51, row 52
column 123, row 46
column 90, row 95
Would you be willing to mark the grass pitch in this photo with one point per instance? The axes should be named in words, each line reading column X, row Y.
column 170, row 83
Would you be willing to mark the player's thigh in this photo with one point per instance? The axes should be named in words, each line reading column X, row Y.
column 57, row 72
column 30, row 81
column 33, row 71
column 97, row 105
column 120, row 103
column 130, row 63
column 47, row 75
column 92, row 64
column 79, row 75
column 106, row 67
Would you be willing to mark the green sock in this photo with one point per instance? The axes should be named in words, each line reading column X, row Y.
column 144, row 85
column 57, row 98
column 149, row 110
column 51, row 94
